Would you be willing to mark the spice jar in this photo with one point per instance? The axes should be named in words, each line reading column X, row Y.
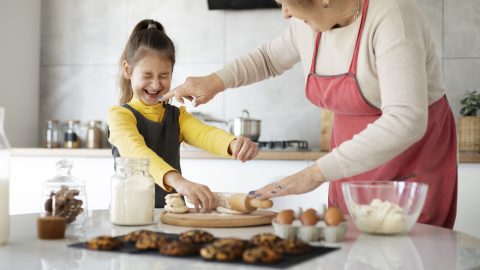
column 72, row 140
column 65, row 196
column 94, row 134
column 132, row 196
column 50, row 134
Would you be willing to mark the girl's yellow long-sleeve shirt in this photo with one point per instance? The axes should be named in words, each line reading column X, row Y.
column 130, row 143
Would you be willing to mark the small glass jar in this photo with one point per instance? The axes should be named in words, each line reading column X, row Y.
column 50, row 137
column 94, row 137
column 65, row 196
column 71, row 138
column 132, row 199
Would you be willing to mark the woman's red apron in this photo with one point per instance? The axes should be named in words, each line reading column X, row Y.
column 433, row 159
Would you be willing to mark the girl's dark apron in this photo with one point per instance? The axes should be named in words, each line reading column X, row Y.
column 163, row 138
column 433, row 158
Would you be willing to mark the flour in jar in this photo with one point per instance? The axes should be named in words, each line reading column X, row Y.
column 382, row 217
column 132, row 200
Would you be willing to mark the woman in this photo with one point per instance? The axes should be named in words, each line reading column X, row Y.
column 373, row 63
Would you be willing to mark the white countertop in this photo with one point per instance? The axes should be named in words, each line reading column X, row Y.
column 426, row 247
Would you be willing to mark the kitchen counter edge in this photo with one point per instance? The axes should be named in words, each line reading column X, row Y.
column 464, row 157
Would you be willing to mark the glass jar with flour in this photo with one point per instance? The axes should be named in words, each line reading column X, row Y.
column 4, row 186
column 132, row 195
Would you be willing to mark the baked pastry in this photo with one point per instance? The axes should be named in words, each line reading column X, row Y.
column 150, row 241
column 293, row 246
column 174, row 203
column 261, row 254
column 135, row 235
column 265, row 239
column 196, row 237
column 226, row 249
column 104, row 243
column 177, row 248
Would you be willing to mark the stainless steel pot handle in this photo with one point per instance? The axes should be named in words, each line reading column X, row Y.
column 245, row 114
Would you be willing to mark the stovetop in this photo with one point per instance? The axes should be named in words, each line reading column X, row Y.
column 291, row 145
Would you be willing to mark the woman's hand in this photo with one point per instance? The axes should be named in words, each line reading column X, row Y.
column 303, row 181
column 197, row 194
column 198, row 89
column 243, row 149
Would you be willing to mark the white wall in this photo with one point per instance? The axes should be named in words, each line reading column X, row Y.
column 19, row 69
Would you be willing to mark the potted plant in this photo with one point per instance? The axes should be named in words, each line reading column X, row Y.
column 469, row 124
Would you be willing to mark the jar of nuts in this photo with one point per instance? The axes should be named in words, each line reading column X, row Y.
column 64, row 196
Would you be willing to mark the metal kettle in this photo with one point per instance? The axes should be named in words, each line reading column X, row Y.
column 245, row 126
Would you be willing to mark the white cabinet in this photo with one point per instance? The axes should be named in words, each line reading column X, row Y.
column 29, row 173
column 468, row 204
column 234, row 176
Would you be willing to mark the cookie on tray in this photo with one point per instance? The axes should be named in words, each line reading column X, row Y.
column 135, row 235
column 265, row 239
column 261, row 254
column 104, row 243
column 293, row 246
column 226, row 249
column 196, row 237
column 177, row 248
column 150, row 241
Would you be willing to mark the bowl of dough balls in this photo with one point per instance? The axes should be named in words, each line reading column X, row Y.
column 327, row 225
column 384, row 207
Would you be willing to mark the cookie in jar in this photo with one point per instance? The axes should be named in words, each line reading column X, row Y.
column 65, row 196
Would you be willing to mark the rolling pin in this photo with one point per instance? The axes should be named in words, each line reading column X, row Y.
column 241, row 202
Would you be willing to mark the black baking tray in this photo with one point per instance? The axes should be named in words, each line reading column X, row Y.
column 288, row 260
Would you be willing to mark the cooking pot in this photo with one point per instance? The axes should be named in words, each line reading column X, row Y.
column 245, row 126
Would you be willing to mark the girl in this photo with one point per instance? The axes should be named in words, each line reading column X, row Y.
column 144, row 127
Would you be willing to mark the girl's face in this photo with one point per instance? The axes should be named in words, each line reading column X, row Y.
column 151, row 77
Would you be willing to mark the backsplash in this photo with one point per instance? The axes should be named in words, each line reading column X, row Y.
column 81, row 42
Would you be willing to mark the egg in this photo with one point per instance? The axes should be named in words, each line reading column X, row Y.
column 285, row 217
column 309, row 217
column 333, row 216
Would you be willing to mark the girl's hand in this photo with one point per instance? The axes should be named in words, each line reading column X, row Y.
column 197, row 194
column 243, row 149
column 203, row 89
column 303, row 181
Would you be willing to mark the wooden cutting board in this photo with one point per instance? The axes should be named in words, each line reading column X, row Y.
column 218, row 220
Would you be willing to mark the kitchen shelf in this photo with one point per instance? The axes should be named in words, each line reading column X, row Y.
column 464, row 157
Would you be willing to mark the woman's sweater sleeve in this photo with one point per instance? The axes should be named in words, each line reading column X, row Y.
column 130, row 143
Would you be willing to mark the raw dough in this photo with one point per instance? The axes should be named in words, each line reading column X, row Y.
column 379, row 217
column 174, row 203
column 224, row 210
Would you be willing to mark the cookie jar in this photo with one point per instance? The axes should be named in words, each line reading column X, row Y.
column 65, row 196
column 132, row 192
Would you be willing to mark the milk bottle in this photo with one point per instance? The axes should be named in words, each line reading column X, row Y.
column 4, row 177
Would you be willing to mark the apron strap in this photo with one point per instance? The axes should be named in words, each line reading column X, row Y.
column 315, row 50
column 353, row 64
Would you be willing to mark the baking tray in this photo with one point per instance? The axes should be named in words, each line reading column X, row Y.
column 288, row 260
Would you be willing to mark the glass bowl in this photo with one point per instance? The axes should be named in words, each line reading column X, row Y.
column 384, row 207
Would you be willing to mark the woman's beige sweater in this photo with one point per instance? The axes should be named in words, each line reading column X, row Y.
column 398, row 72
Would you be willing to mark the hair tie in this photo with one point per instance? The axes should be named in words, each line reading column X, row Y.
column 151, row 25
